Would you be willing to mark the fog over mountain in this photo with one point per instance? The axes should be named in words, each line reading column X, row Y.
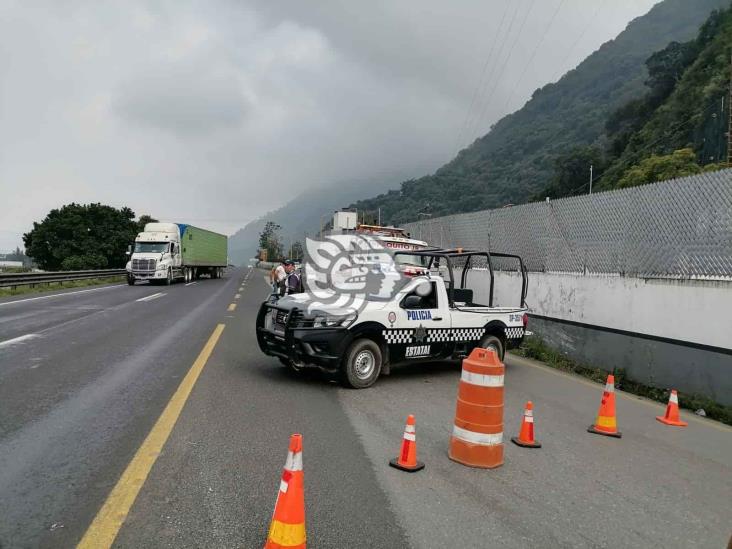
column 215, row 113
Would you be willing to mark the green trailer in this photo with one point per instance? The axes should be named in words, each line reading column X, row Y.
column 202, row 248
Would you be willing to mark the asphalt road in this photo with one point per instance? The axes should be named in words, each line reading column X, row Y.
column 84, row 377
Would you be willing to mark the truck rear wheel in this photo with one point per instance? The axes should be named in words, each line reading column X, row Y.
column 493, row 342
column 362, row 364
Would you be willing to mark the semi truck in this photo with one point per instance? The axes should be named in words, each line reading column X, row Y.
column 166, row 252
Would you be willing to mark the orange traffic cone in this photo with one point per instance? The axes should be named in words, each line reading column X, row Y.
column 407, row 460
column 288, row 522
column 672, row 411
column 526, row 435
column 606, row 424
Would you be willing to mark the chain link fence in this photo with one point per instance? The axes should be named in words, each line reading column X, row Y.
column 680, row 228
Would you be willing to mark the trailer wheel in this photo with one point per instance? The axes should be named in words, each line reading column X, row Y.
column 491, row 341
column 362, row 365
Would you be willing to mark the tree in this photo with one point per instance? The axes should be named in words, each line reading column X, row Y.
column 572, row 172
column 82, row 236
column 660, row 168
column 144, row 220
column 270, row 240
column 297, row 251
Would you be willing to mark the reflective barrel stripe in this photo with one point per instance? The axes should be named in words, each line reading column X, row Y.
column 486, row 439
column 410, row 436
column 483, row 380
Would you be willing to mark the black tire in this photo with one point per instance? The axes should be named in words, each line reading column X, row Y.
column 169, row 278
column 491, row 341
column 130, row 280
column 362, row 364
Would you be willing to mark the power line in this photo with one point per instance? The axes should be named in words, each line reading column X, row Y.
column 533, row 54
column 503, row 67
column 479, row 86
column 503, row 41
column 579, row 39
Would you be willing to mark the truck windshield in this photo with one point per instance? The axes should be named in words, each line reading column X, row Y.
column 150, row 247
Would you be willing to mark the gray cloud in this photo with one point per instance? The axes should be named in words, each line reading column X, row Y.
column 183, row 100
column 214, row 113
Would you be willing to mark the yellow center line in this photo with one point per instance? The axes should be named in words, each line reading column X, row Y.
column 232, row 307
column 621, row 394
column 105, row 526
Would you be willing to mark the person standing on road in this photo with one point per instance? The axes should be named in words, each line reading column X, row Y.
column 293, row 282
column 277, row 277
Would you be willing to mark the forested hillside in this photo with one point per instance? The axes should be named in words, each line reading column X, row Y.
column 518, row 158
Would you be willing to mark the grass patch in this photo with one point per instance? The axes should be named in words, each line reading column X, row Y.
column 534, row 347
column 46, row 287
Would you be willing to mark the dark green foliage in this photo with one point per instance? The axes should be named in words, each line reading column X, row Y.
column 82, row 236
column 516, row 159
column 144, row 220
column 270, row 240
column 572, row 172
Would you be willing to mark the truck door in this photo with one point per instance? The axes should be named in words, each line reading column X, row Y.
column 427, row 316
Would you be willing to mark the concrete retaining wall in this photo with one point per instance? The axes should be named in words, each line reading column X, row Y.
column 664, row 332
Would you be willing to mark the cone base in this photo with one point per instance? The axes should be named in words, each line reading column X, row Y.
column 616, row 434
column 395, row 463
column 663, row 419
column 518, row 442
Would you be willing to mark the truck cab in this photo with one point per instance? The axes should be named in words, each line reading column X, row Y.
column 432, row 317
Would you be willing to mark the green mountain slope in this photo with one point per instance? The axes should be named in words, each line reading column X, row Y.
column 695, row 113
column 516, row 158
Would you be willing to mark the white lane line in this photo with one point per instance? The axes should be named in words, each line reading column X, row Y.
column 151, row 297
column 19, row 339
column 192, row 283
column 60, row 295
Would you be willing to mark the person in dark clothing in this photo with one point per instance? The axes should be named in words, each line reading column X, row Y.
column 293, row 282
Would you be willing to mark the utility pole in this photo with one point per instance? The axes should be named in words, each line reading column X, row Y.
column 379, row 223
column 590, row 178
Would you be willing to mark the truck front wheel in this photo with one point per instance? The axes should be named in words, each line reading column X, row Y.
column 169, row 278
column 362, row 364
column 130, row 280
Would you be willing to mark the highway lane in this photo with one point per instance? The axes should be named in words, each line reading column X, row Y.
column 216, row 482
column 78, row 397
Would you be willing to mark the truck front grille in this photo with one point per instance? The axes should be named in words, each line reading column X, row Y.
column 143, row 265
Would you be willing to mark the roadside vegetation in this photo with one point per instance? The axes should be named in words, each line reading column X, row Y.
column 534, row 347
column 42, row 288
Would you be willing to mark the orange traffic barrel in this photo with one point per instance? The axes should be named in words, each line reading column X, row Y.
column 477, row 434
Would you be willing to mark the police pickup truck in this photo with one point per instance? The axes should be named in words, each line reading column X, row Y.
column 431, row 317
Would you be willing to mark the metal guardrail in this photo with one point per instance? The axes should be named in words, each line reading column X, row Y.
column 30, row 279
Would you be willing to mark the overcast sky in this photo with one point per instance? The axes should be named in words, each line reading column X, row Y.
column 214, row 112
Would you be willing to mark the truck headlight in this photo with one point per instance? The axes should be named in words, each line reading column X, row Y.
column 329, row 320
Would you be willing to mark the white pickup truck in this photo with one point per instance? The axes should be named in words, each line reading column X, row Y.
column 432, row 317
